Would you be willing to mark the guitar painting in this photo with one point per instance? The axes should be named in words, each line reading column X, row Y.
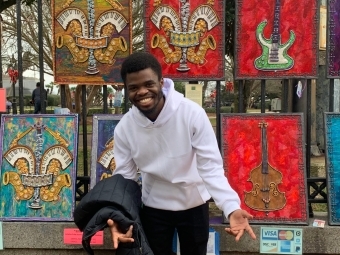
column 274, row 54
column 265, row 195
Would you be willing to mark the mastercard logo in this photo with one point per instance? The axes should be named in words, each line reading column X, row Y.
column 286, row 235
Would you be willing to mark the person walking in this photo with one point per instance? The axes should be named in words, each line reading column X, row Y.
column 171, row 141
column 36, row 99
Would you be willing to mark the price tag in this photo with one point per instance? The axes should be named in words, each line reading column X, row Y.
column 319, row 223
column 74, row 236
column 281, row 240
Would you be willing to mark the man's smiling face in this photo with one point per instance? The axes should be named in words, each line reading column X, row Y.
column 145, row 92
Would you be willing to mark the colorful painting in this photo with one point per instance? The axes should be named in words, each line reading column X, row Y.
column 187, row 37
column 332, row 139
column 38, row 167
column 103, row 161
column 264, row 162
column 91, row 40
column 278, row 40
column 333, row 50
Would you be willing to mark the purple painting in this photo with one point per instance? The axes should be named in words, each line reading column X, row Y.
column 103, row 161
column 333, row 49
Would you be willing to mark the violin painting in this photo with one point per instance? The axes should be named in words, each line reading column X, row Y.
column 265, row 195
column 263, row 157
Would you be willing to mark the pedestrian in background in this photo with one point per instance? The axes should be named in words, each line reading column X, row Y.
column 36, row 98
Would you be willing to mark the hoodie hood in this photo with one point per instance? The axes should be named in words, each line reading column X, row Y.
column 171, row 104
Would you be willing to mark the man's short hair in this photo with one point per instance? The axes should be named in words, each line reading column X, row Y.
column 38, row 84
column 139, row 61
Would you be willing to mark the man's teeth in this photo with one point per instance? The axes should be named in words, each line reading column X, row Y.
column 145, row 100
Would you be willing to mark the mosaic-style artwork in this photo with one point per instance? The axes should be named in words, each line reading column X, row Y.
column 278, row 40
column 263, row 158
column 38, row 167
column 103, row 161
column 91, row 40
column 333, row 51
column 187, row 37
column 332, row 139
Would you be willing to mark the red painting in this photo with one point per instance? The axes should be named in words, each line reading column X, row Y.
column 264, row 162
column 276, row 39
column 186, row 36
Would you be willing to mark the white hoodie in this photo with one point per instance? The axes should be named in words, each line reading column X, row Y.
column 178, row 156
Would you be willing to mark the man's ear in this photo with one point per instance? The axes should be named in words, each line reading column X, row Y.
column 162, row 82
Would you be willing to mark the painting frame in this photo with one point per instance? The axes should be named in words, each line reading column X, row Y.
column 169, row 41
column 90, row 44
column 333, row 39
column 241, row 147
column 298, row 53
column 102, row 147
column 41, row 153
column 332, row 120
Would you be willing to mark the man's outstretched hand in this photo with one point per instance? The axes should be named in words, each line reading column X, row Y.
column 239, row 223
column 117, row 236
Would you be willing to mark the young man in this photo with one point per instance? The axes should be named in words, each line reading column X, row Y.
column 171, row 141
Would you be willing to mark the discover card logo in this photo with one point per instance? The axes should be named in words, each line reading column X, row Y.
column 270, row 246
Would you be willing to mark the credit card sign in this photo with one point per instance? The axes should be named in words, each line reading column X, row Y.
column 281, row 240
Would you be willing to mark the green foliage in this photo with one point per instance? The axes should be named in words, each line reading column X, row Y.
column 223, row 109
column 229, row 27
column 53, row 100
column 180, row 87
column 31, row 111
column 95, row 111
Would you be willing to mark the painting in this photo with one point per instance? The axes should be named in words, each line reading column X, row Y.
column 333, row 36
column 91, row 39
column 103, row 161
column 38, row 167
column 187, row 37
column 277, row 41
column 263, row 156
column 332, row 153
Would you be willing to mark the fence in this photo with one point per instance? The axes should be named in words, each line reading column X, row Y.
column 316, row 186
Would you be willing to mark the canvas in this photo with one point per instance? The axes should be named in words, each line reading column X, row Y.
column 263, row 156
column 278, row 40
column 91, row 39
column 332, row 139
column 102, row 157
column 186, row 37
column 38, row 167
column 333, row 50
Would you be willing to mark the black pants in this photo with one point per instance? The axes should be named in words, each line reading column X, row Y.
column 37, row 106
column 192, row 226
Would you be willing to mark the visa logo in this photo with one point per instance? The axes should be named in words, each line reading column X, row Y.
column 269, row 234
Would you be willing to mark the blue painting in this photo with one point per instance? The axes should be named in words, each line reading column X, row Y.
column 38, row 167
column 103, row 161
column 332, row 141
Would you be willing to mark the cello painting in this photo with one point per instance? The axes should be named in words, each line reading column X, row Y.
column 265, row 195
column 263, row 158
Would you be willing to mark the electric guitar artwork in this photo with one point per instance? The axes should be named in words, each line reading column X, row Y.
column 274, row 54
